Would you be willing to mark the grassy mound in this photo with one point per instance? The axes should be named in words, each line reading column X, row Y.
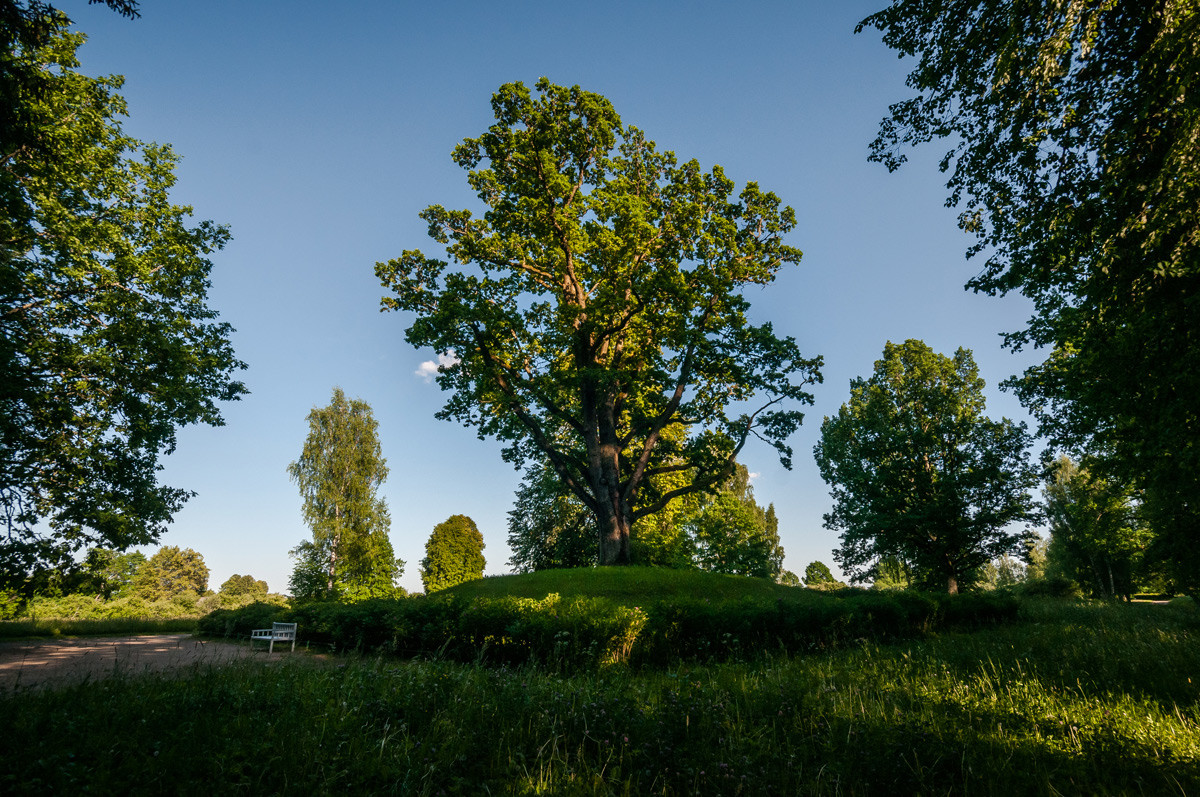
column 629, row 586
column 584, row 618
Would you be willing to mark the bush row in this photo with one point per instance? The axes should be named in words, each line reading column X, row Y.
column 186, row 605
column 582, row 631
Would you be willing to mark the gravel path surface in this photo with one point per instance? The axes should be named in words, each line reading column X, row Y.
column 37, row 663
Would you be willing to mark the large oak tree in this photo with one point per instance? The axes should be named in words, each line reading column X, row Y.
column 599, row 301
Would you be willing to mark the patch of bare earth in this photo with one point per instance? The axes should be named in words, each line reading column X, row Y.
column 58, row 662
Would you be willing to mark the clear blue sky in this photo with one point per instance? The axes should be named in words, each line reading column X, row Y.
column 317, row 131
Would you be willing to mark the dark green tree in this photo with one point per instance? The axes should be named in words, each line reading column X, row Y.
column 917, row 471
column 107, row 343
column 109, row 573
column 548, row 527
column 170, row 572
column 237, row 585
column 601, row 301
column 1096, row 538
column 339, row 473
column 1074, row 128
column 453, row 554
column 818, row 576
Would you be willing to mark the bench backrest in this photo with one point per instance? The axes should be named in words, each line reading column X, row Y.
column 283, row 630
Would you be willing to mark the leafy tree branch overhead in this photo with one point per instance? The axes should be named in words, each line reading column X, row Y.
column 599, row 301
column 1074, row 130
column 107, row 342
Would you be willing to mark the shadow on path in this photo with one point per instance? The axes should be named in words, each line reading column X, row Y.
column 37, row 663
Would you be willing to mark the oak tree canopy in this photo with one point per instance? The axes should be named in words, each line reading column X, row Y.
column 598, row 301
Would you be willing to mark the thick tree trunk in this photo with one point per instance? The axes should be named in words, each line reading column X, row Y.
column 612, row 519
column 952, row 585
column 614, row 540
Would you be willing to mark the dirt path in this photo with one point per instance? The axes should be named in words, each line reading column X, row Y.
column 39, row 663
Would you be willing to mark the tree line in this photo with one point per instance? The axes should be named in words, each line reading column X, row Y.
column 595, row 320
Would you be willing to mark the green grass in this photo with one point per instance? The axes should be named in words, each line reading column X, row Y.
column 1073, row 699
column 120, row 626
column 632, row 586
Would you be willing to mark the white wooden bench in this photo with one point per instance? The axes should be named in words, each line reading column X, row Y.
column 278, row 632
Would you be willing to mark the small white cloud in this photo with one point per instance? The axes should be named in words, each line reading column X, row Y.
column 429, row 368
column 754, row 476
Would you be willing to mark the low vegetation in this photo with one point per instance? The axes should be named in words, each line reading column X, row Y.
column 1072, row 698
column 639, row 616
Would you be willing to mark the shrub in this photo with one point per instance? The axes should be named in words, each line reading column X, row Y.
column 240, row 622
column 582, row 632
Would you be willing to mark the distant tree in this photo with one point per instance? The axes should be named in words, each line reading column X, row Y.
column 892, row 572
column 733, row 534
column 170, row 572
column 818, row 576
column 1095, row 535
column 339, row 472
column 917, row 471
column 107, row 342
column 603, row 294
column 548, row 527
column 1035, row 558
column 454, row 554
column 1002, row 572
column 787, row 578
column 109, row 573
column 237, row 585
column 1072, row 131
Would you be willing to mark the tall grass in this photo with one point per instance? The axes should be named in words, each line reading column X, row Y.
column 114, row 626
column 1073, row 700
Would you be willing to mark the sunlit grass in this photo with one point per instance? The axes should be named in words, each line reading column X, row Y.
column 630, row 585
column 1073, row 700
column 120, row 626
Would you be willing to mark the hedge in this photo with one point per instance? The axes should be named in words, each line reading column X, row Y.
column 583, row 631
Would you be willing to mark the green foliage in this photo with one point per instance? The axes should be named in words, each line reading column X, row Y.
column 1096, row 537
column 453, row 554
column 1073, row 130
column 565, row 631
column 171, row 572
column 241, row 621
column 1073, row 699
column 548, row 527
column 730, row 533
column 80, row 607
column 630, row 586
column 107, row 343
column 339, row 472
column 604, row 304
column 918, row 472
column 818, row 576
column 243, row 585
column 730, row 539
column 788, row 579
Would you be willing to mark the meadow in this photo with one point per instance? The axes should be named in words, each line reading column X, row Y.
column 1069, row 698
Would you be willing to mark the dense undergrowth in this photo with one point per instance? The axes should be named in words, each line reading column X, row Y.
column 512, row 621
column 1068, row 699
